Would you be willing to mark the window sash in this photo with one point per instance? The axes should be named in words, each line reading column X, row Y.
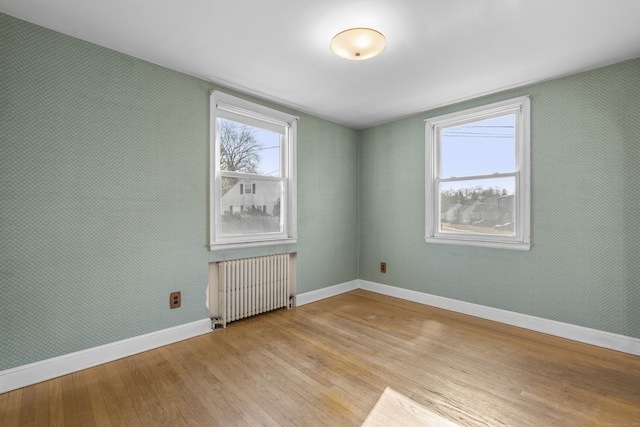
column 241, row 111
column 282, row 145
column 440, row 129
column 242, row 175
column 474, row 177
column 484, row 236
column 232, row 237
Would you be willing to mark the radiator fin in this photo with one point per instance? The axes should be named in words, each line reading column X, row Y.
column 252, row 286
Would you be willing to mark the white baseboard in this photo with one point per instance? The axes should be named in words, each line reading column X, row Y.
column 21, row 376
column 313, row 296
column 565, row 330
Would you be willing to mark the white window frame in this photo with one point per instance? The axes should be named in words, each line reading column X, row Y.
column 224, row 106
column 433, row 127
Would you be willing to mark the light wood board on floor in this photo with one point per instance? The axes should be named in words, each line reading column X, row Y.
column 327, row 363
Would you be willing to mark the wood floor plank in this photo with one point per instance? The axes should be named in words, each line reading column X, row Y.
column 79, row 393
column 159, row 375
column 327, row 363
column 41, row 411
column 11, row 416
column 76, row 406
column 334, row 398
column 27, row 407
column 250, row 388
column 93, row 380
column 394, row 373
column 285, row 389
column 4, row 397
column 394, row 408
column 320, row 357
column 144, row 397
column 107, row 401
column 189, row 390
column 319, row 396
column 208, row 387
column 230, row 407
column 118, row 400
column 56, row 409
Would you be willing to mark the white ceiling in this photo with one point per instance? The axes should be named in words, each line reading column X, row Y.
column 438, row 51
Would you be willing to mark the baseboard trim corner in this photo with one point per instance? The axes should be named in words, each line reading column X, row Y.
column 582, row 334
column 22, row 376
column 331, row 291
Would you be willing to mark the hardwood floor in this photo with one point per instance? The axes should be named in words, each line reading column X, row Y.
column 327, row 363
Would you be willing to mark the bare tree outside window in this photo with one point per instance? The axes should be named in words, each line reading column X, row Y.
column 238, row 148
column 239, row 151
column 244, row 149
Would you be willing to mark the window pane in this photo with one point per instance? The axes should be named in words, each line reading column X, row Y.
column 249, row 149
column 478, row 148
column 484, row 206
column 255, row 210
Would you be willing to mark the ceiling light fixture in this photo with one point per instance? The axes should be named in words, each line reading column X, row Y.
column 358, row 43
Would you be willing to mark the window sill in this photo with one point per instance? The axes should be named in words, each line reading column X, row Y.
column 255, row 244
column 519, row 246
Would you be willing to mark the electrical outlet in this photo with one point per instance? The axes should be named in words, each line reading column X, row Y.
column 175, row 299
column 383, row 267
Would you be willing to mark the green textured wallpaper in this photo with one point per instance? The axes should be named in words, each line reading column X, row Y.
column 584, row 265
column 103, row 201
column 103, row 196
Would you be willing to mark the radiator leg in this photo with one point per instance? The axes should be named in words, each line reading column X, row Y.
column 217, row 323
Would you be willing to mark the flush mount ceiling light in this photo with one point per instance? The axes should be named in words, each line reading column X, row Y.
column 358, row 43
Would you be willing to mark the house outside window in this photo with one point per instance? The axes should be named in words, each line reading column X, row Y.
column 478, row 176
column 253, row 174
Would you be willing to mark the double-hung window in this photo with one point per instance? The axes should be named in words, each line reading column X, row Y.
column 477, row 176
column 253, row 174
